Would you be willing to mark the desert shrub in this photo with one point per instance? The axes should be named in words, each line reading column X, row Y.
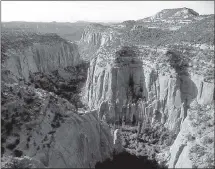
column 11, row 146
column 2, row 150
column 3, row 140
column 29, row 100
column 58, row 118
column 159, row 135
column 198, row 150
column 210, row 160
column 18, row 153
column 149, row 141
column 190, row 137
column 9, row 127
column 207, row 140
column 51, row 132
column 28, row 139
column 201, row 117
column 27, row 145
column 125, row 51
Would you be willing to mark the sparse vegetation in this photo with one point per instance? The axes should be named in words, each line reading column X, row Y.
column 18, row 39
column 18, row 153
column 201, row 116
column 66, row 88
column 208, row 140
column 18, row 162
column 148, row 142
column 190, row 137
column 127, row 51
column 198, row 150
column 18, row 113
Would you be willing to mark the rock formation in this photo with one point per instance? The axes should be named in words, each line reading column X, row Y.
column 37, row 53
column 131, row 90
column 53, row 134
column 131, row 83
column 40, row 128
column 96, row 36
column 147, row 83
column 194, row 143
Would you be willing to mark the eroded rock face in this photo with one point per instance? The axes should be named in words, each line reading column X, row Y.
column 130, row 90
column 97, row 36
column 194, row 145
column 39, row 56
column 43, row 126
column 133, row 89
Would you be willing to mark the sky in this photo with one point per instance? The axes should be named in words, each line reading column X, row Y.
column 94, row 11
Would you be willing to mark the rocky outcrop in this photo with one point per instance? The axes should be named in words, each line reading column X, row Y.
column 45, row 127
column 174, row 13
column 129, row 89
column 97, row 36
column 193, row 147
column 44, row 53
column 133, row 89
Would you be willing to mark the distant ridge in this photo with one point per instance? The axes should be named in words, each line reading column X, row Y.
column 173, row 13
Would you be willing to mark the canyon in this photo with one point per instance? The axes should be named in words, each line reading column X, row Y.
column 123, row 91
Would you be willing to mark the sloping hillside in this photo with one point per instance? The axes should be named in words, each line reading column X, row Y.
column 198, row 32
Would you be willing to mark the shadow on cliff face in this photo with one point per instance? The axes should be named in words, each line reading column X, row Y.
column 189, row 87
column 179, row 61
column 189, row 92
column 129, row 56
column 126, row 160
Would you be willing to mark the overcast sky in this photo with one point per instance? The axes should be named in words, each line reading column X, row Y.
column 106, row 11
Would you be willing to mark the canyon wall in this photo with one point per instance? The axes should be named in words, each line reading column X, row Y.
column 40, row 57
column 51, row 133
column 194, row 145
column 119, row 90
column 94, row 37
column 39, row 127
column 131, row 90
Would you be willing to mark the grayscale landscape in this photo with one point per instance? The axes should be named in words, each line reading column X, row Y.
column 118, row 94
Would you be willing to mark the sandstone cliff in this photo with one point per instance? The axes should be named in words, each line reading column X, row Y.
column 97, row 36
column 127, row 87
column 117, row 87
column 25, row 54
column 39, row 128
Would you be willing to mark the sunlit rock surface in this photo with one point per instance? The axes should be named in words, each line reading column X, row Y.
column 53, row 133
column 38, row 53
column 131, row 87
